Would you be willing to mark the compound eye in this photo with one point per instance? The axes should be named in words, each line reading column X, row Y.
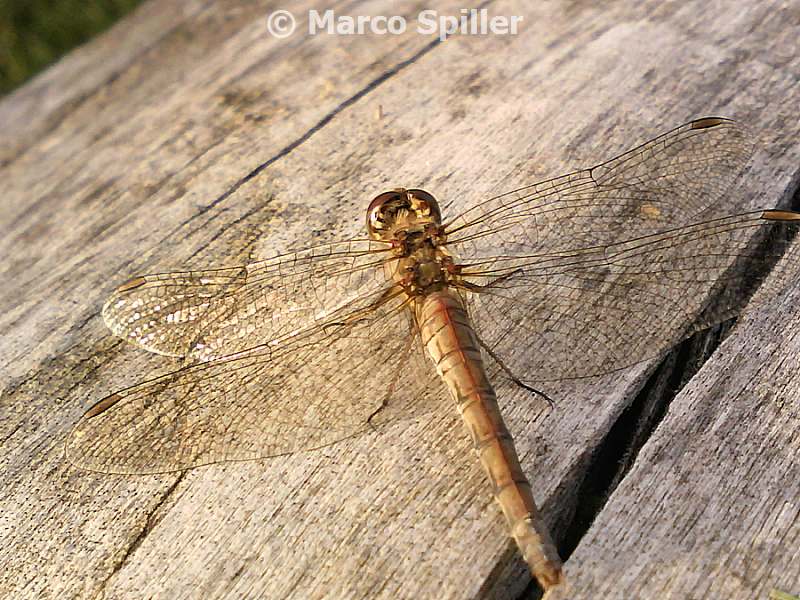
column 425, row 204
column 376, row 213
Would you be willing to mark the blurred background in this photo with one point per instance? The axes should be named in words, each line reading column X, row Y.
column 36, row 33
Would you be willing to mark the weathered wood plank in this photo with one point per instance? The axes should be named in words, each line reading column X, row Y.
column 710, row 509
column 219, row 143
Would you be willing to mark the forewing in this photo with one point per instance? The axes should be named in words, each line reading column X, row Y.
column 567, row 315
column 204, row 315
column 666, row 182
column 339, row 379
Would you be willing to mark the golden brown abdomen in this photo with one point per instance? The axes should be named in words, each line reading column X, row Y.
column 452, row 345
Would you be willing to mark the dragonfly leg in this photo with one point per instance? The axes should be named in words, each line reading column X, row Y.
column 511, row 375
column 488, row 288
column 478, row 289
column 385, row 402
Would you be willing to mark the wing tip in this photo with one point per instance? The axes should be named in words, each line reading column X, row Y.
column 110, row 305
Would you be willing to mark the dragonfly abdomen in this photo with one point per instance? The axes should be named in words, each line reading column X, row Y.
column 453, row 346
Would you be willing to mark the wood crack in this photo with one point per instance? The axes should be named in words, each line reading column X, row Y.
column 617, row 452
column 372, row 85
column 153, row 519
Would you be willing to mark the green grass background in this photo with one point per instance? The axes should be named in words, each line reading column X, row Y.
column 35, row 33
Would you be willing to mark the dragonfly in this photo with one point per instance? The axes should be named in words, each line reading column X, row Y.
column 568, row 278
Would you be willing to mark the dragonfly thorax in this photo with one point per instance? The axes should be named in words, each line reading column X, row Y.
column 411, row 221
column 423, row 263
column 426, row 270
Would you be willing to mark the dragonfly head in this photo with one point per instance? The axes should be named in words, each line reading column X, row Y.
column 402, row 210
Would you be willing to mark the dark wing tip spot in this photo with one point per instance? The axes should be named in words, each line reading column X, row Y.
column 131, row 284
column 102, row 406
column 708, row 122
column 780, row 215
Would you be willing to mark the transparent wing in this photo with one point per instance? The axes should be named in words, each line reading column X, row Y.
column 666, row 182
column 204, row 315
column 594, row 310
column 331, row 382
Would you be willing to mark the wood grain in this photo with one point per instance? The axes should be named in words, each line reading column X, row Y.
column 187, row 136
